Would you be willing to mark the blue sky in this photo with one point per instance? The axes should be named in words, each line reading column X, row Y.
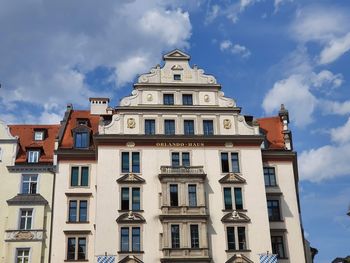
column 263, row 52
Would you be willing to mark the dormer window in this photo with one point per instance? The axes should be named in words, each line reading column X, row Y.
column 33, row 156
column 38, row 135
column 83, row 122
column 81, row 139
column 177, row 77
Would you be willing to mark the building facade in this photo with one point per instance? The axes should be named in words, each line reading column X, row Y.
column 26, row 191
column 174, row 173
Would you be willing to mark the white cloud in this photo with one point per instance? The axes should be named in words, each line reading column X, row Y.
column 335, row 49
column 235, row 49
column 326, row 77
column 212, row 14
column 335, row 107
column 278, row 3
column 341, row 134
column 47, row 58
column 326, row 162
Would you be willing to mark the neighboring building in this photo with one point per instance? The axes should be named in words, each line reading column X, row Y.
column 75, row 193
column 27, row 172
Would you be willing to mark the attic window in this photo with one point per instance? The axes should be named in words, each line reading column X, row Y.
column 33, row 156
column 82, row 122
column 38, row 135
column 81, row 139
column 177, row 77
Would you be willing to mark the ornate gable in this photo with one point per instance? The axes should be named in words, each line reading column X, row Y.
column 131, row 218
column 177, row 55
column 232, row 178
column 131, row 179
column 131, row 259
column 235, row 217
column 239, row 258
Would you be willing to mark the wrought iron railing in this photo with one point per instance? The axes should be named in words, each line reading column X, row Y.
column 181, row 170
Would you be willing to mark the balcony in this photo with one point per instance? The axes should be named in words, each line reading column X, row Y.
column 185, row 255
column 179, row 171
column 24, row 235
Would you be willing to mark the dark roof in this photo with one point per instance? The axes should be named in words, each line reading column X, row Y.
column 27, row 199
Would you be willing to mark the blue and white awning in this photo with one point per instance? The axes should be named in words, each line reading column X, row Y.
column 106, row 259
column 268, row 258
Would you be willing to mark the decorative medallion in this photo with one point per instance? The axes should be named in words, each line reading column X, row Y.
column 149, row 97
column 130, row 144
column 131, row 123
column 24, row 235
column 177, row 67
column 227, row 124
column 240, row 118
column 206, row 98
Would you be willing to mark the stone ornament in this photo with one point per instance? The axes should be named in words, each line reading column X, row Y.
column 24, row 235
column 206, row 98
column 177, row 67
column 227, row 124
column 130, row 144
column 149, row 97
column 131, row 123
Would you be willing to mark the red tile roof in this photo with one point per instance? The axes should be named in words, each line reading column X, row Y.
column 26, row 141
column 67, row 140
column 273, row 128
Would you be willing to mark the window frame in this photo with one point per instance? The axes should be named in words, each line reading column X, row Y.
column 80, row 170
column 213, row 129
column 17, row 249
column 76, row 249
column 77, row 214
column 30, row 183
column 233, row 197
column 188, row 194
column 236, row 237
column 33, row 156
column 165, row 126
column 176, row 245
column 269, row 175
column 272, row 218
column 283, row 243
column 170, row 102
column 130, row 196
column 87, row 139
column 153, row 129
column 181, row 159
column 41, row 133
column 198, row 235
column 177, row 194
column 177, row 77
column 26, row 217
column 186, row 102
column 194, row 127
column 230, row 168
column 130, row 238
column 130, row 162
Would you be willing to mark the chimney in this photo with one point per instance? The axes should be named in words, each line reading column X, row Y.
column 98, row 106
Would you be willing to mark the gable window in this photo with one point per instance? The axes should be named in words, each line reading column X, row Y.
column 168, row 99
column 81, row 139
column 187, row 99
column 77, row 211
column 79, row 176
column 150, row 127
column 270, row 176
column 175, row 236
column 194, row 236
column 134, row 202
column 134, row 239
column 180, row 159
column 33, row 156
column 273, row 207
column 192, row 195
column 76, row 248
column 22, row 255
column 229, row 162
column 236, row 238
column 169, row 127
column 130, row 162
column 39, row 135
column 29, row 184
column 26, row 216
column 208, row 127
column 188, row 127
column 177, row 77
column 174, row 198
column 278, row 246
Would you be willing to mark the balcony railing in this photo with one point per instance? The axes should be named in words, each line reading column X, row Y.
column 24, row 235
column 181, row 170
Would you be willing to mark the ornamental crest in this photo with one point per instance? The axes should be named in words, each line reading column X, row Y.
column 131, row 123
column 227, row 124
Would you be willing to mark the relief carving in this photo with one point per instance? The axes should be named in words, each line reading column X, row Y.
column 149, row 97
column 206, row 98
column 24, row 235
column 131, row 123
column 227, row 124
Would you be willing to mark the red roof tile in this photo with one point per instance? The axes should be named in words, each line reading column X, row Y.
column 26, row 141
column 273, row 128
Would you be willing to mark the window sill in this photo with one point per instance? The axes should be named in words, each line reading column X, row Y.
column 276, row 220
column 283, row 258
column 235, row 251
column 131, row 252
column 231, row 210
column 134, row 211
column 271, row 186
column 76, row 260
column 78, row 222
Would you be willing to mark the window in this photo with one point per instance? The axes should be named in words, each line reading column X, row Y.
column 175, row 236
column 229, row 166
column 76, row 248
column 33, row 156
column 188, row 127
column 187, row 99
column 278, row 246
column 135, row 239
column 169, row 127
column 26, row 216
column 150, row 127
column 77, row 211
column 134, row 203
column 174, row 199
column 192, row 195
column 273, row 207
column 168, row 99
column 177, row 77
column 38, row 135
column 130, row 162
column 194, row 236
column 208, row 128
column 22, row 255
column 79, row 176
column 270, row 176
column 81, row 140
column 236, row 240
column 238, row 200
column 180, row 159
column 29, row 184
